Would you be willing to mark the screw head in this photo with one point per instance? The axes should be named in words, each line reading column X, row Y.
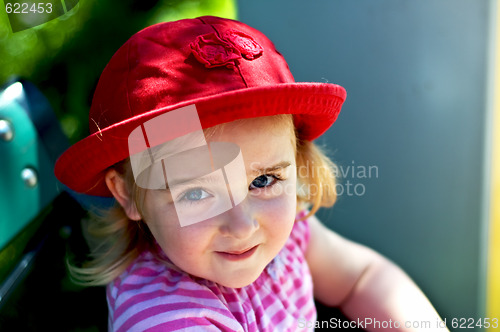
column 6, row 131
column 30, row 177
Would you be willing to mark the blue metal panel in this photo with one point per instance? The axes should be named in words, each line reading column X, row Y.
column 23, row 109
column 19, row 203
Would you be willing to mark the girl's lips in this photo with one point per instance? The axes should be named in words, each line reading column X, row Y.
column 238, row 255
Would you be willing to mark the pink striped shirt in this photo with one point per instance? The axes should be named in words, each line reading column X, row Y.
column 152, row 296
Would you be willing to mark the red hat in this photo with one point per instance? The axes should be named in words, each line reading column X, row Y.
column 227, row 69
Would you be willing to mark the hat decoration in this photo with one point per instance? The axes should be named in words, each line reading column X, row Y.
column 213, row 51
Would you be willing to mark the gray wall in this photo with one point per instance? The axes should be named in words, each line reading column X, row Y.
column 415, row 75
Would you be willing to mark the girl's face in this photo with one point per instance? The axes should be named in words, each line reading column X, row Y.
column 233, row 248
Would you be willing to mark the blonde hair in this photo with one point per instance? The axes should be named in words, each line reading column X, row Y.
column 121, row 240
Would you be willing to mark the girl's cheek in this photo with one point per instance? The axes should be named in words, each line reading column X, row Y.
column 283, row 197
column 279, row 207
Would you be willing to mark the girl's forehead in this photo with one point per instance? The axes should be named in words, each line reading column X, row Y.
column 263, row 141
column 269, row 126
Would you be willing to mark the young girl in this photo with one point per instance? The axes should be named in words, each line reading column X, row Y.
column 204, row 139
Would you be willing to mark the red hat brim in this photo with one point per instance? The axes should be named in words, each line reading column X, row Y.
column 315, row 107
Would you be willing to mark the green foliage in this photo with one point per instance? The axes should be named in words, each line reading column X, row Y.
column 64, row 57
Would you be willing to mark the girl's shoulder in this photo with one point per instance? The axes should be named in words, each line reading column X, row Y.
column 153, row 292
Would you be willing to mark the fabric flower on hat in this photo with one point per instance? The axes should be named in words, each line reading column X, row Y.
column 248, row 47
column 212, row 51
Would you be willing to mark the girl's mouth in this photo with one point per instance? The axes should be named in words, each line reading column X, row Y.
column 238, row 255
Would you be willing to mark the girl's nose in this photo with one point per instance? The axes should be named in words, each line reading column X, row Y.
column 239, row 222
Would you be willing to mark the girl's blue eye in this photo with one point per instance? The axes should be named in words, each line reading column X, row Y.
column 263, row 181
column 195, row 195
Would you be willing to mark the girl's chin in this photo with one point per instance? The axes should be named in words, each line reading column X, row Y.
column 237, row 279
column 238, row 282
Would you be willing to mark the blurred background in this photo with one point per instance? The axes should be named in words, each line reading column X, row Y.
column 417, row 142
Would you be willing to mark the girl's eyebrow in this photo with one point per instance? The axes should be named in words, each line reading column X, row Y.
column 276, row 167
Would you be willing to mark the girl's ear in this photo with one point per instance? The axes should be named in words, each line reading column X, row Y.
column 116, row 184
